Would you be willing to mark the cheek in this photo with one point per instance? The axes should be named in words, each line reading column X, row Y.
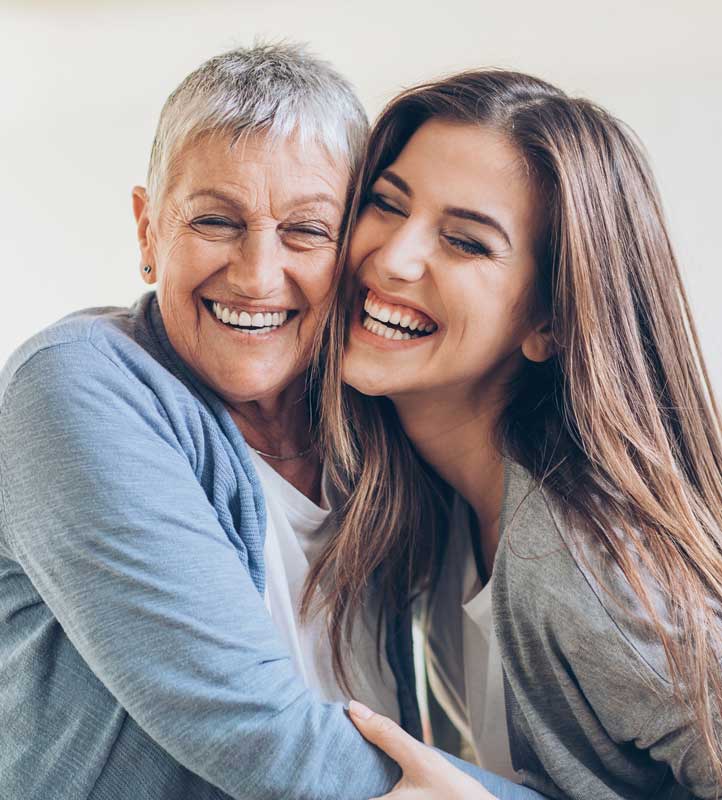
column 479, row 307
column 315, row 278
column 489, row 332
column 365, row 238
column 191, row 267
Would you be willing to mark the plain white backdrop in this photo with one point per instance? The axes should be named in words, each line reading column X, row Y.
column 83, row 83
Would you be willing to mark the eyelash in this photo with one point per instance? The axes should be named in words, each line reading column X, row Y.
column 470, row 248
column 307, row 231
column 223, row 222
column 382, row 204
column 215, row 222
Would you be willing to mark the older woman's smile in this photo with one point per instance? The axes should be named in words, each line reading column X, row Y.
column 248, row 319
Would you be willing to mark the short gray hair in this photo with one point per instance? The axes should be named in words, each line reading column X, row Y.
column 277, row 89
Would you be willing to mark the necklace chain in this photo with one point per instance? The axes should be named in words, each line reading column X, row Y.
column 300, row 454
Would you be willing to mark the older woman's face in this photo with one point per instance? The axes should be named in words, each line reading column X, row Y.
column 243, row 243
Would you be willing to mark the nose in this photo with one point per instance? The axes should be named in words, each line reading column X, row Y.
column 403, row 256
column 257, row 267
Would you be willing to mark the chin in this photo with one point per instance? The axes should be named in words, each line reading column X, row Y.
column 245, row 386
column 367, row 384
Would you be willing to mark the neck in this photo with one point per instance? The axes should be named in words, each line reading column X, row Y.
column 454, row 433
column 281, row 426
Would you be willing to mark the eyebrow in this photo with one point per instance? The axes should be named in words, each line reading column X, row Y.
column 477, row 216
column 451, row 211
column 398, row 182
column 316, row 198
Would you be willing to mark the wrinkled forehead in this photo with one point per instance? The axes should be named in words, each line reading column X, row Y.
column 258, row 163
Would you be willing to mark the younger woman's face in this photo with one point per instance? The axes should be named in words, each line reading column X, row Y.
column 443, row 260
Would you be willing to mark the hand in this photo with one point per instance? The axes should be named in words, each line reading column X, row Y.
column 427, row 775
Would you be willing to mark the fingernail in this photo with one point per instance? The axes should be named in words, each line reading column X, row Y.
column 360, row 710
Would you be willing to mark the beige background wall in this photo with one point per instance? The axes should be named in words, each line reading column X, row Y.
column 82, row 84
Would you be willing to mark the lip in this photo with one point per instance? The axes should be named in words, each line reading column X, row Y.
column 357, row 331
column 244, row 332
column 397, row 301
column 249, row 307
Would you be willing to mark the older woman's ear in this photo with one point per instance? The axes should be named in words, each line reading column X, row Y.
column 142, row 219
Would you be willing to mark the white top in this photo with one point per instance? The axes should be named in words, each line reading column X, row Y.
column 463, row 657
column 292, row 542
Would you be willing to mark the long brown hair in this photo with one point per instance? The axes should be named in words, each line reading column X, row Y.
column 620, row 424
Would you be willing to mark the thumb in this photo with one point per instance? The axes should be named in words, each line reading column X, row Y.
column 411, row 755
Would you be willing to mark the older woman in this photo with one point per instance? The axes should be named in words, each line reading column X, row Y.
column 137, row 655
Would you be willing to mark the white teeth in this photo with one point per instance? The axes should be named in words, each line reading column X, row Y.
column 394, row 316
column 262, row 321
column 386, row 332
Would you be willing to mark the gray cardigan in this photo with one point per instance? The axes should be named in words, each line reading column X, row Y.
column 590, row 710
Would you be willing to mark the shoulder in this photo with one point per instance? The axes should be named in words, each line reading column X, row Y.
column 79, row 342
column 555, row 578
column 112, row 352
column 90, row 381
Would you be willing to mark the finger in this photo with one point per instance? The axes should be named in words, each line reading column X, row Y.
column 411, row 755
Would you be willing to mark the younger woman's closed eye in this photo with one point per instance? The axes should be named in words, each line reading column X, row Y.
column 468, row 246
column 383, row 204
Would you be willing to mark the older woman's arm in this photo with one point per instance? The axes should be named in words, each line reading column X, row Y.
column 102, row 509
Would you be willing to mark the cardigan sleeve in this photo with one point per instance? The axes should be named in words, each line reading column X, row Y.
column 592, row 709
column 104, row 513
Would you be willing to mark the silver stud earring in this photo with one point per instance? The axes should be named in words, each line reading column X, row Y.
column 147, row 269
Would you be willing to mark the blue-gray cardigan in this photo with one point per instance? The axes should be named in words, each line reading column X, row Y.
column 137, row 658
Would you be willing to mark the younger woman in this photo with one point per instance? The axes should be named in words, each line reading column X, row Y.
column 531, row 435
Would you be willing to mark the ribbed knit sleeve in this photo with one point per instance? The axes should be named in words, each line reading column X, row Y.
column 104, row 511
